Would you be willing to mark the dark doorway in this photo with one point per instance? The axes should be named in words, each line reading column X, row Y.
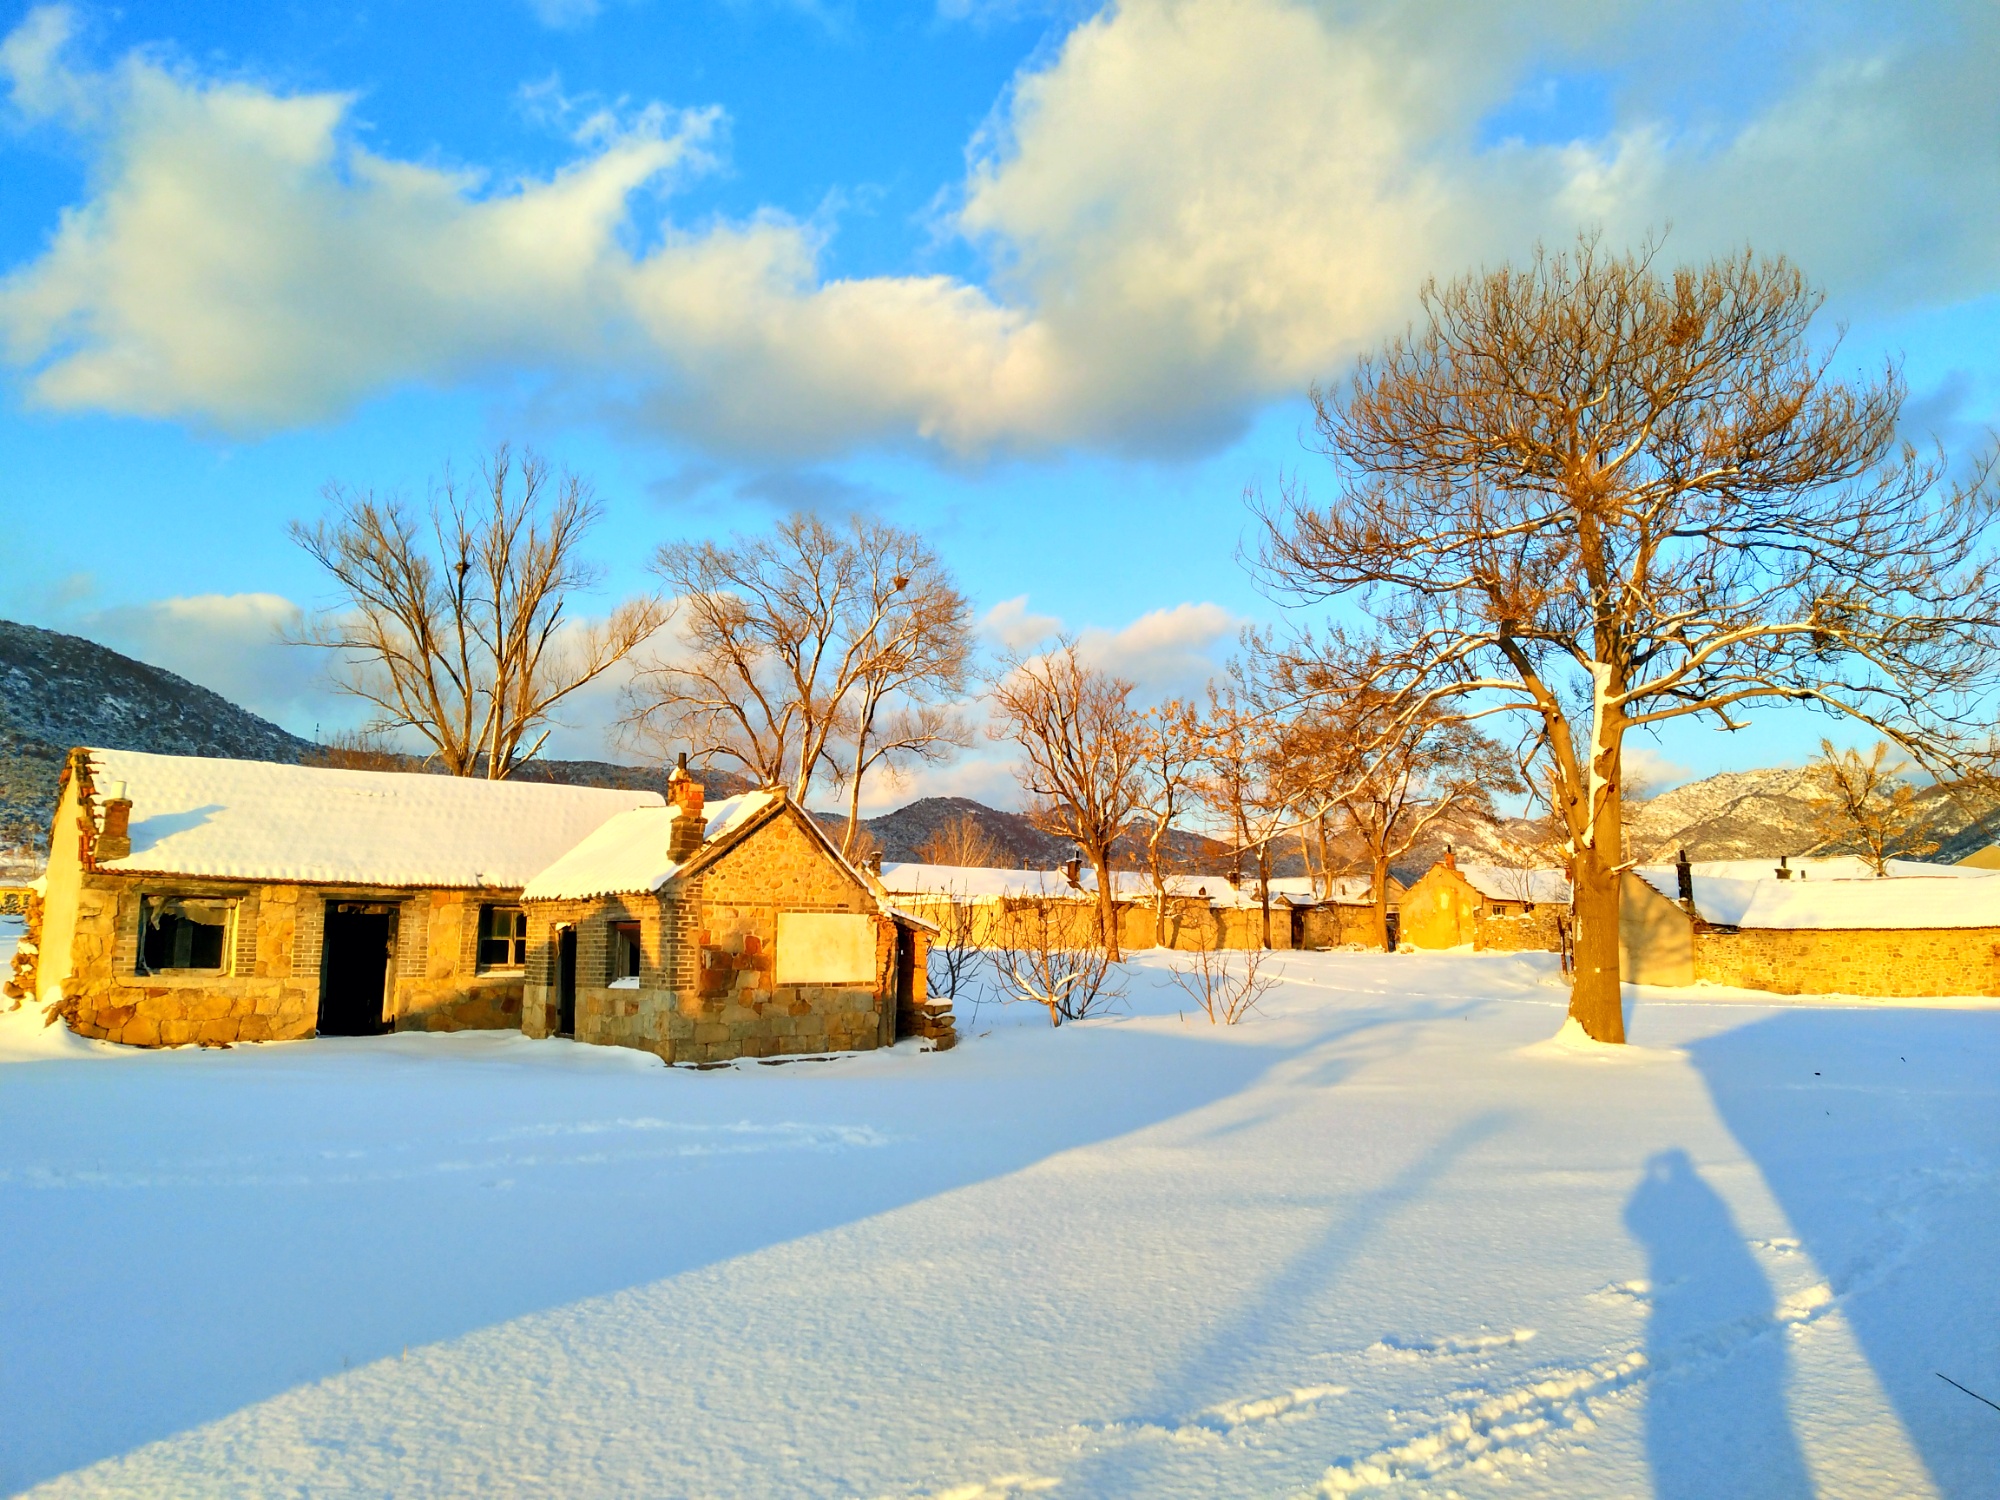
column 566, row 982
column 1298, row 927
column 355, row 973
column 906, row 969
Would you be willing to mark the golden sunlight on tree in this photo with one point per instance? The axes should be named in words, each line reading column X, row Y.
column 1596, row 493
column 457, row 626
column 1863, row 803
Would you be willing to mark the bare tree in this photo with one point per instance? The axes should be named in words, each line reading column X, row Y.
column 954, row 955
column 1226, row 988
column 1083, row 741
column 460, row 630
column 1599, row 496
column 915, row 652
column 1246, row 780
column 1395, row 774
column 1865, row 801
column 960, row 840
column 1036, row 958
column 356, row 750
column 1169, row 768
column 800, row 640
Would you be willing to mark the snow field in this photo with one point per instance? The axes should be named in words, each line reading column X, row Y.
column 1396, row 1234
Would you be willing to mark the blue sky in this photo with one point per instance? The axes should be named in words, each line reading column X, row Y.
column 1046, row 282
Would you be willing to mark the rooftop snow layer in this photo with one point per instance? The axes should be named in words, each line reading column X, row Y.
column 1503, row 883
column 1931, row 900
column 973, row 882
column 257, row 820
column 628, row 854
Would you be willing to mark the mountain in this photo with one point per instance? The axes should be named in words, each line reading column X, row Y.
column 1763, row 814
column 1017, row 843
column 58, row 691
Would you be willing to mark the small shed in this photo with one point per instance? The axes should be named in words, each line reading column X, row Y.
column 707, row 933
column 1496, row 908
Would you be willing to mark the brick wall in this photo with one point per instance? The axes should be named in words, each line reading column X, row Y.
column 1937, row 961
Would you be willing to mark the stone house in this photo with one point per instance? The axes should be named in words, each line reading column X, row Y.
column 706, row 933
column 1491, row 908
column 1809, row 927
column 202, row 900
column 1336, row 914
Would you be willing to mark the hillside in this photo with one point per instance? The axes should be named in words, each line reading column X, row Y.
column 1017, row 842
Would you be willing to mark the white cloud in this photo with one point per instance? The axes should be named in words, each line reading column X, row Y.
column 1010, row 625
column 230, row 644
column 562, row 15
column 1165, row 652
column 1190, row 206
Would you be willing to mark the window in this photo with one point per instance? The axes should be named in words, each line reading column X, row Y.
column 624, row 951
column 184, row 932
column 503, row 937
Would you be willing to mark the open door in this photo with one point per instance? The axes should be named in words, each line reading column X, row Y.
column 566, row 982
column 358, row 948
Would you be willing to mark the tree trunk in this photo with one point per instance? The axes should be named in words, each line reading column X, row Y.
column 1381, row 899
column 1264, row 887
column 1595, row 999
column 853, row 811
column 1107, row 911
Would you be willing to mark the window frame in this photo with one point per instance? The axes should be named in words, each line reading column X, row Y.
column 225, row 965
column 515, row 940
column 627, row 941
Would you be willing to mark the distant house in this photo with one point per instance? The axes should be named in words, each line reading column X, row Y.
column 1485, row 907
column 218, row 901
column 1804, row 927
column 199, row 900
column 734, row 931
column 1202, row 911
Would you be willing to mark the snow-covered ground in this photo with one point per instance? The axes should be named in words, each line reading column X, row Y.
column 1385, row 1237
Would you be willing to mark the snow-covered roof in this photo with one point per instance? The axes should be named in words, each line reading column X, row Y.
column 1826, row 867
column 1940, row 897
column 628, row 854
column 256, row 820
column 1504, row 883
column 974, row 882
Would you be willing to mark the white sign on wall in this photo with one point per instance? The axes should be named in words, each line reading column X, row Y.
column 822, row 947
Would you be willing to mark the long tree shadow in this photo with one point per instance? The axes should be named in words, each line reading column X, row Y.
column 1212, row 1368
column 191, row 1233
column 1716, row 1418
column 1878, row 1131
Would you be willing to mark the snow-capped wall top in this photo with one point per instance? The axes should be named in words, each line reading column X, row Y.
column 973, row 882
column 1825, row 867
column 1500, row 883
column 628, row 854
column 257, row 820
column 1939, row 896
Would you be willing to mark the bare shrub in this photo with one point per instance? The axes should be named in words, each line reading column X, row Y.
column 954, row 957
column 1038, row 959
column 961, row 840
column 1227, row 986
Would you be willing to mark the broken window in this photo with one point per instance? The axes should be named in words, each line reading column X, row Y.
column 624, row 950
column 184, row 932
column 503, row 937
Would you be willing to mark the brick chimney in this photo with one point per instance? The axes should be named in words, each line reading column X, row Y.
column 1073, row 871
column 684, row 795
column 1685, row 872
column 1450, row 859
column 114, row 836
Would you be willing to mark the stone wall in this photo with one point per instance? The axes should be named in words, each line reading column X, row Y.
column 1440, row 910
column 1340, row 925
column 270, row 990
column 1510, row 929
column 1917, row 962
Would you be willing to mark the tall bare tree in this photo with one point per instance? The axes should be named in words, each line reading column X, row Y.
column 1170, row 765
column 458, row 626
column 803, row 641
column 1864, row 800
column 1082, row 739
column 1246, row 779
column 1597, row 495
